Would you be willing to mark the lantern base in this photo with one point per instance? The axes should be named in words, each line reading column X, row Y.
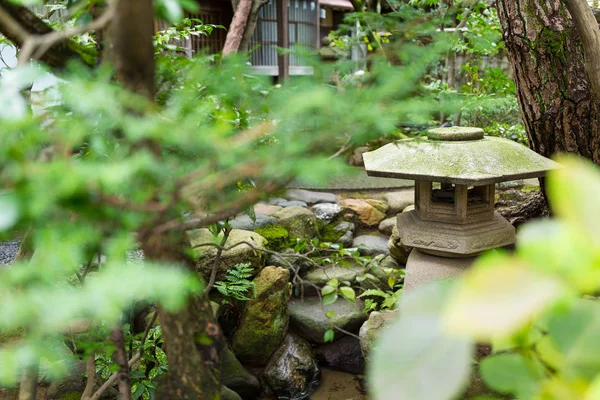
column 422, row 268
column 454, row 240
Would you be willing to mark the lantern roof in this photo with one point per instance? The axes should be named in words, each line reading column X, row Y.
column 457, row 155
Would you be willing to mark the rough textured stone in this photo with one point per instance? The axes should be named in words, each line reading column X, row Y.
column 292, row 372
column 266, row 209
column 396, row 248
column 244, row 222
column 74, row 382
column 455, row 239
column 371, row 328
column 229, row 394
column 398, row 201
column 371, row 245
column 235, row 376
column 309, row 320
column 379, row 205
column 366, row 213
column 310, row 197
column 239, row 254
column 344, row 226
column 346, row 239
column 264, row 319
column 387, row 225
column 321, row 276
column 474, row 162
column 423, row 268
column 344, row 355
column 300, row 222
column 287, row 203
column 521, row 205
column 326, row 211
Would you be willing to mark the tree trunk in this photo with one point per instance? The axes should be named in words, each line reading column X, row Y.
column 120, row 358
column 193, row 339
column 251, row 25
column 237, row 27
column 560, row 112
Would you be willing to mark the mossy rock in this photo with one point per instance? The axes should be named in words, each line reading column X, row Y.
column 329, row 234
column 72, row 396
column 277, row 236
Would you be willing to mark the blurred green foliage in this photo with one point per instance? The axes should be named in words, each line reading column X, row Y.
column 536, row 308
column 81, row 179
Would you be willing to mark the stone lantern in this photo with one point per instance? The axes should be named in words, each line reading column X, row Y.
column 455, row 172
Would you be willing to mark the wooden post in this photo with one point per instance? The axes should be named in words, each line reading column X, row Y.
column 283, row 39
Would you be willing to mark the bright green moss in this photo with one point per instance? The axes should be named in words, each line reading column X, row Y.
column 277, row 236
column 71, row 396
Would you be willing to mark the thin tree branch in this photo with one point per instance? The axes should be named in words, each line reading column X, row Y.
column 35, row 46
column 90, row 368
column 120, row 358
column 217, row 261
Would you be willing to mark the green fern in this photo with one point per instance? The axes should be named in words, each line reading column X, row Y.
column 237, row 283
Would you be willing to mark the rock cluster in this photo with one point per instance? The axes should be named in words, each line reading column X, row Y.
column 277, row 342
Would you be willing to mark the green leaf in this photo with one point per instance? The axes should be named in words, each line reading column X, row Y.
column 330, row 314
column 330, row 299
column 348, row 293
column 498, row 296
column 328, row 336
column 413, row 351
column 333, row 283
column 512, row 374
column 574, row 334
column 391, row 282
column 373, row 292
column 325, row 290
column 573, row 191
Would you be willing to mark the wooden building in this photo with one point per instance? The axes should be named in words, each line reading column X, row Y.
column 301, row 28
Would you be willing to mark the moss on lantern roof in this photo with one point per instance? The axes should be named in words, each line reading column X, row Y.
column 467, row 162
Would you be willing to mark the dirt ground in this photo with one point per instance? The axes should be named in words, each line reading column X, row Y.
column 336, row 385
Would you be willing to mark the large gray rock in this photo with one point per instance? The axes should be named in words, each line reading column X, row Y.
column 387, row 225
column 244, row 222
column 239, row 254
column 321, row 276
column 398, row 201
column 235, row 376
column 371, row 245
column 344, row 355
column 300, row 222
column 264, row 319
column 287, row 203
column 73, row 383
column 310, row 197
column 326, row 211
column 372, row 328
column 308, row 317
column 292, row 372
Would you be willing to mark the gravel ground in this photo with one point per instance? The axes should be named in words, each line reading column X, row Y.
column 8, row 251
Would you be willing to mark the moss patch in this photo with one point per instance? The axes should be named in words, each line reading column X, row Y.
column 10, row 336
column 71, row 396
column 329, row 234
column 277, row 236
